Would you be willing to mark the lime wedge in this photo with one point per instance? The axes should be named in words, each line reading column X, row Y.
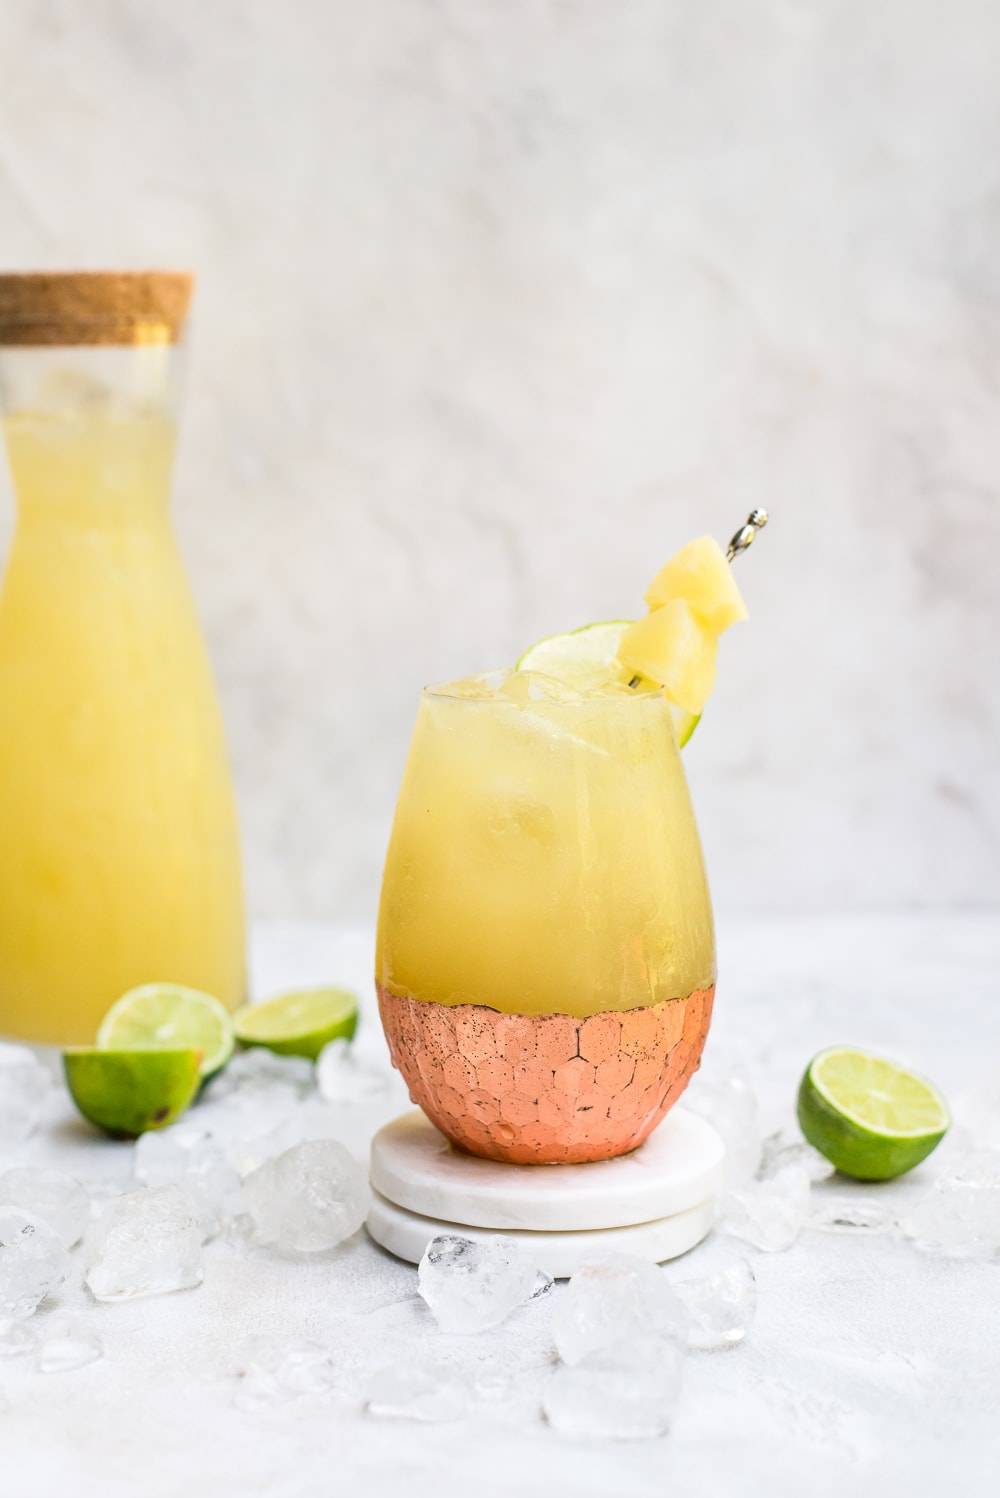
column 583, row 658
column 170, row 1017
column 299, row 1023
column 587, row 659
column 869, row 1117
column 126, row 1093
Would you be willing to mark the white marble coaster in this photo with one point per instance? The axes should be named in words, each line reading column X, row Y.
column 406, row 1234
column 678, row 1168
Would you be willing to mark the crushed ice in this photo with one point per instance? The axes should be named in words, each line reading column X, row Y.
column 471, row 1285
column 33, row 1262
column 59, row 1200
column 273, row 1371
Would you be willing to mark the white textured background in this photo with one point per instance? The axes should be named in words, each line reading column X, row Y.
column 501, row 301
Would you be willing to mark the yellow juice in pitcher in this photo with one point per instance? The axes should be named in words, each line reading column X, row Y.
column 119, row 858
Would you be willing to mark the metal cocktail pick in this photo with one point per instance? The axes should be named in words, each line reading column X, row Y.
column 744, row 537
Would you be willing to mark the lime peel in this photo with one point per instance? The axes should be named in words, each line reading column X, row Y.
column 298, row 1023
column 871, row 1118
column 129, row 1092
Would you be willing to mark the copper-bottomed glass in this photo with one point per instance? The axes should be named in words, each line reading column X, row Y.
column 546, row 956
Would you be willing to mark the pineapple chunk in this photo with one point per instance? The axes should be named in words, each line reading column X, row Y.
column 700, row 574
column 674, row 647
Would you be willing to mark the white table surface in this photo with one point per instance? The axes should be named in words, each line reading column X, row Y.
column 871, row 1368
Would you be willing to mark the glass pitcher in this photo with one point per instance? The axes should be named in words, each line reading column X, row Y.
column 119, row 859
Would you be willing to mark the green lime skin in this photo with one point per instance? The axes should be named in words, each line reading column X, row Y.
column 127, row 1093
column 851, row 1148
column 304, row 1034
column 308, row 1046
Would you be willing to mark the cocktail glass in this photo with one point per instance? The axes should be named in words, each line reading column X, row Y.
column 546, row 955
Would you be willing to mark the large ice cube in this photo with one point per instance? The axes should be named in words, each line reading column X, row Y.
column 960, row 1215
column 614, row 1299
column 58, row 1199
column 308, row 1199
column 146, row 1242
column 471, row 1285
column 32, row 1262
column 626, row 1391
column 731, row 1108
column 721, row 1305
column 787, row 1147
column 187, row 1157
column 770, row 1214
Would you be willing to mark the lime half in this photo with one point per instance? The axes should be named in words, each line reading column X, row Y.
column 127, row 1093
column 170, row 1017
column 869, row 1117
column 587, row 659
column 299, row 1023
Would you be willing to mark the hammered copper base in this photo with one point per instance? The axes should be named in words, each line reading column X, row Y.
column 545, row 1089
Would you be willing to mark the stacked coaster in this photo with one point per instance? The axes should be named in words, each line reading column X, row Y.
column 658, row 1201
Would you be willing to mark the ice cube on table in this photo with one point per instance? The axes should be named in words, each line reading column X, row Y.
column 194, row 1161
column 33, row 1262
column 787, row 1147
column 406, row 1391
column 25, row 1087
column 273, row 1371
column 342, row 1078
column 68, row 1343
column 721, row 1305
column 626, row 1391
column 57, row 1199
column 259, row 1072
column 731, row 1108
column 474, row 1284
column 146, row 1242
column 849, row 1215
column 960, row 1215
column 611, row 1299
column 769, row 1214
column 308, row 1199
column 252, row 1136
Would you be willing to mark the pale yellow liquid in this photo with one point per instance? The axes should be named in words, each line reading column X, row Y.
column 119, row 858
column 545, row 859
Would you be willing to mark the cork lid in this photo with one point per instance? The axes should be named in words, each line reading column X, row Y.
column 93, row 307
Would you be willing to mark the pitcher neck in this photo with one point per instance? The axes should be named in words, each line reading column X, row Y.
column 90, row 432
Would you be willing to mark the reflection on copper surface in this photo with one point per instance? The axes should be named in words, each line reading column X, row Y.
column 546, row 1089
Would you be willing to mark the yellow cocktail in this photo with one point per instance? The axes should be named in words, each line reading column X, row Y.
column 546, row 960
column 544, row 857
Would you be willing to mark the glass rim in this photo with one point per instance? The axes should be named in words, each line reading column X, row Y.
column 439, row 692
